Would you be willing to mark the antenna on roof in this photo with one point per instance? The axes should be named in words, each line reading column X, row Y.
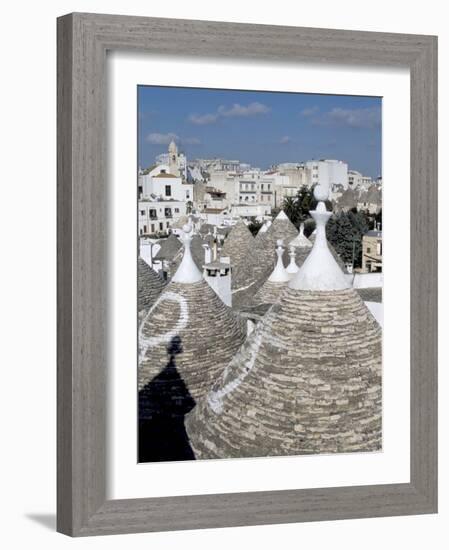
column 187, row 271
column 320, row 271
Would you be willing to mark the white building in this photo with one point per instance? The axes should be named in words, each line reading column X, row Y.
column 156, row 216
column 159, row 182
column 163, row 199
column 328, row 172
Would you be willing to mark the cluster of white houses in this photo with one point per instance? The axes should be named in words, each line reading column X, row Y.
column 221, row 191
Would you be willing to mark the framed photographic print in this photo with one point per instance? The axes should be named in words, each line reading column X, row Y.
column 247, row 253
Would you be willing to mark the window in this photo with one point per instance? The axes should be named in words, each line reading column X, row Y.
column 168, row 190
column 177, row 210
column 153, row 213
column 142, row 212
column 168, row 213
column 269, row 186
column 161, row 226
column 152, row 228
column 368, row 250
column 144, row 228
column 261, row 186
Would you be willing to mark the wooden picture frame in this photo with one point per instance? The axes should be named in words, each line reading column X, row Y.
column 83, row 40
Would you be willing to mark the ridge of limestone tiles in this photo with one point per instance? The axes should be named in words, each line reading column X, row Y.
column 169, row 247
column 209, row 334
column 261, row 259
column 237, row 244
column 149, row 286
column 307, row 380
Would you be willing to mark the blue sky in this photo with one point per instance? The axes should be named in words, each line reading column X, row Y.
column 261, row 128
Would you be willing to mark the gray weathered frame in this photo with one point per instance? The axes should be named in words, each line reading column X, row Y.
column 83, row 40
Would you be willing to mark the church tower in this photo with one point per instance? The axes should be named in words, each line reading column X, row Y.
column 173, row 158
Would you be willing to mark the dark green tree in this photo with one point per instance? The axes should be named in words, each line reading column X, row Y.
column 254, row 226
column 345, row 231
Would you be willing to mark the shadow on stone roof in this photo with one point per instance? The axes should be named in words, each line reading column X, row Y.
column 163, row 404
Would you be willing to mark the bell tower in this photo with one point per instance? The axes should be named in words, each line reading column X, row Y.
column 173, row 158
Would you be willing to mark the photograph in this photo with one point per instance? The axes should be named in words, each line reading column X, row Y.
column 259, row 274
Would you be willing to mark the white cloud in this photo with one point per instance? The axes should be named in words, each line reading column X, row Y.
column 208, row 118
column 310, row 111
column 164, row 139
column 161, row 139
column 236, row 110
column 368, row 117
column 284, row 140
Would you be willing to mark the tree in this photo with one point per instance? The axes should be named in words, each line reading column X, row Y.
column 254, row 226
column 345, row 231
column 298, row 207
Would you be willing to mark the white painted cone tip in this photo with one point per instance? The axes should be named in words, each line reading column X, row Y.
column 320, row 271
column 279, row 273
column 292, row 267
column 187, row 271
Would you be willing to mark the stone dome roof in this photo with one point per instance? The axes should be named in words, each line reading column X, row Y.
column 271, row 290
column 261, row 259
column 149, row 286
column 169, row 247
column 237, row 244
column 307, row 380
column 208, row 332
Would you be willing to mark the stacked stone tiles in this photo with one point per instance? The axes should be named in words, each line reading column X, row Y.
column 169, row 248
column 237, row 246
column 207, row 332
column 307, row 380
column 149, row 286
column 260, row 260
column 269, row 292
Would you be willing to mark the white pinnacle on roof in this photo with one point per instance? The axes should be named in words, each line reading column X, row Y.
column 320, row 271
column 301, row 240
column 187, row 271
column 292, row 268
column 279, row 273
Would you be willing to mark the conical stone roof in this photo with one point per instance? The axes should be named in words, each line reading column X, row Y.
column 271, row 290
column 207, row 335
column 237, row 244
column 149, row 286
column 307, row 379
column 260, row 260
column 169, row 247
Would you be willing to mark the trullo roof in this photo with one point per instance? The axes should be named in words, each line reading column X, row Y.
column 307, row 379
column 149, row 286
column 207, row 332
